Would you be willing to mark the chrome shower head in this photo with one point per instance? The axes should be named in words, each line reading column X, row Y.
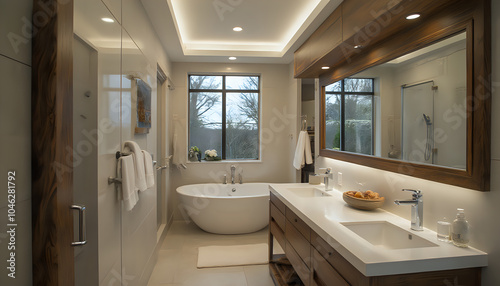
column 427, row 119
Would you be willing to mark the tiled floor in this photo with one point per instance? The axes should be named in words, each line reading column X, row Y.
column 179, row 254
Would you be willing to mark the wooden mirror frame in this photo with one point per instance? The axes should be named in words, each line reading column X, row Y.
column 477, row 24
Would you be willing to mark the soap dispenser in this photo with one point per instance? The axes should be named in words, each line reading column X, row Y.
column 460, row 230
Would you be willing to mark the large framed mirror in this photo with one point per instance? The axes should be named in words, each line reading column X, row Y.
column 422, row 108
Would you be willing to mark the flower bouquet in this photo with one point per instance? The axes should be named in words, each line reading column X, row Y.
column 194, row 154
column 211, row 155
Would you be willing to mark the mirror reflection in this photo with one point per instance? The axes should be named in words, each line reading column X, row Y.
column 412, row 108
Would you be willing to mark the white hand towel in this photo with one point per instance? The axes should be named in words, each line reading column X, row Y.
column 148, row 166
column 309, row 159
column 126, row 170
column 298, row 161
column 302, row 151
column 140, row 173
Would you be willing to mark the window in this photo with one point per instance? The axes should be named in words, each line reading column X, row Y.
column 224, row 115
column 349, row 115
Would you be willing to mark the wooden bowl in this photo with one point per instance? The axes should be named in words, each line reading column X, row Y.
column 363, row 204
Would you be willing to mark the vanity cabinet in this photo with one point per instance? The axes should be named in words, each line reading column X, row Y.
column 323, row 273
column 317, row 263
column 294, row 236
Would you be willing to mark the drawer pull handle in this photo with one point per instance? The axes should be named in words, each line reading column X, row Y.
column 296, row 220
column 330, row 253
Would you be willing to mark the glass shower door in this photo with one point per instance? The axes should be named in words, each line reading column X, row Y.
column 418, row 122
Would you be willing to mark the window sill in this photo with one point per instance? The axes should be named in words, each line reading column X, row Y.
column 226, row 162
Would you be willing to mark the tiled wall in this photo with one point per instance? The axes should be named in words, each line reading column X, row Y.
column 15, row 130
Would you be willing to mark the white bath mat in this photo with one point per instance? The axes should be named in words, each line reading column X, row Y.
column 234, row 255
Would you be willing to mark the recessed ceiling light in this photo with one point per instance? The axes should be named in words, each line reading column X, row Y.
column 358, row 46
column 413, row 16
column 237, row 29
column 232, row 58
column 325, row 68
column 108, row 20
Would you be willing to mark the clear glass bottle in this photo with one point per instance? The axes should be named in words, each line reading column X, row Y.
column 460, row 230
column 443, row 230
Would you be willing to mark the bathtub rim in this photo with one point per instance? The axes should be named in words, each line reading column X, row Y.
column 221, row 197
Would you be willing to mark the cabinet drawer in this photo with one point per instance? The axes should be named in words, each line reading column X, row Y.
column 277, row 217
column 276, row 201
column 301, row 226
column 277, row 233
column 299, row 243
column 342, row 266
column 324, row 274
column 298, row 265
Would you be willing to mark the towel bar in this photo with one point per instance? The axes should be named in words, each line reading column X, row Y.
column 120, row 154
column 112, row 180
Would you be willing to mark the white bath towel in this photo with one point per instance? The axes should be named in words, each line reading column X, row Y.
column 148, row 167
column 126, row 171
column 179, row 157
column 302, row 151
column 140, row 173
column 309, row 159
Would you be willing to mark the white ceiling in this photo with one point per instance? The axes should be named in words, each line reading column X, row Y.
column 201, row 30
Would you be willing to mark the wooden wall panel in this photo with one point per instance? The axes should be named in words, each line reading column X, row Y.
column 322, row 41
column 364, row 23
column 357, row 14
column 52, row 142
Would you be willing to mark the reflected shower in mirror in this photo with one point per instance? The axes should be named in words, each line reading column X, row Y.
column 412, row 108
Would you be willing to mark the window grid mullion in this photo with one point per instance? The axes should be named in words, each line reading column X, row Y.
column 342, row 116
column 228, row 90
column 223, row 155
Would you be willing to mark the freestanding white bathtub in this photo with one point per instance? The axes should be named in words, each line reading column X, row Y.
column 227, row 208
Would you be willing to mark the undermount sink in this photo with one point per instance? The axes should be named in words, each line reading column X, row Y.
column 386, row 235
column 309, row 192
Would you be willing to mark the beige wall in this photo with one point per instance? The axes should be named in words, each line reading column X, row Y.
column 442, row 200
column 278, row 121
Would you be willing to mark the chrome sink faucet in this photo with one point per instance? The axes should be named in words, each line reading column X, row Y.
column 327, row 175
column 417, row 209
column 233, row 170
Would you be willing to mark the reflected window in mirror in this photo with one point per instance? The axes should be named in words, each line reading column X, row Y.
column 349, row 110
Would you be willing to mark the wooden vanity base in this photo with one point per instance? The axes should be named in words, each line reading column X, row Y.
column 313, row 262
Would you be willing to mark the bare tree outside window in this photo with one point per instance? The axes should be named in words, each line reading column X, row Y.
column 349, row 115
column 224, row 115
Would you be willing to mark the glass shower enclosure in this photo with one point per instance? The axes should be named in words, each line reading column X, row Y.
column 418, row 122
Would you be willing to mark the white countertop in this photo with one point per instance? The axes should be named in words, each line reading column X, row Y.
column 325, row 214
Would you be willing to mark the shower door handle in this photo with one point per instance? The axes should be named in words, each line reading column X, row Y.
column 82, row 229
